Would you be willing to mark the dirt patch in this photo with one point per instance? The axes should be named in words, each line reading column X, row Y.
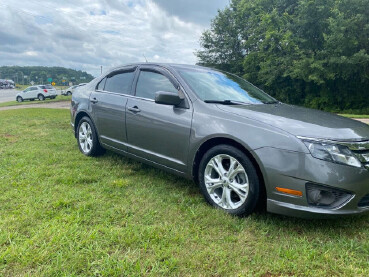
column 365, row 120
column 51, row 105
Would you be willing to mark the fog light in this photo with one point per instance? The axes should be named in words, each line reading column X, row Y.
column 326, row 197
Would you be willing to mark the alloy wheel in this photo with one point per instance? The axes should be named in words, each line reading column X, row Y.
column 85, row 137
column 226, row 181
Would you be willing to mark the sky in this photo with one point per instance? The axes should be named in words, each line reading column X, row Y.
column 87, row 34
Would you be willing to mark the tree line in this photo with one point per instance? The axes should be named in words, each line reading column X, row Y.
column 41, row 74
column 306, row 52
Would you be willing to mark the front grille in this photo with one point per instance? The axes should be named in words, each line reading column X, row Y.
column 360, row 149
column 364, row 202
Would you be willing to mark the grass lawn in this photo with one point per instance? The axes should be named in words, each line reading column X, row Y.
column 27, row 102
column 355, row 115
column 64, row 214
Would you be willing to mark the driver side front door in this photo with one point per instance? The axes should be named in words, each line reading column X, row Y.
column 156, row 132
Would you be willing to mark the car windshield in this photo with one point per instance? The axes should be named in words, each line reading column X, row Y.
column 216, row 86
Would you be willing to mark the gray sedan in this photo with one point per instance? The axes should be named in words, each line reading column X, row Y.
column 240, row 145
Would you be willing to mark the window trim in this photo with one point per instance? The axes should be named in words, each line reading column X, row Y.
column 175, row 84
column 132, row 69
column 98, row 83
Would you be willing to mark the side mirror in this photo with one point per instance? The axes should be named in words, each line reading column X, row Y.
column 167, row 98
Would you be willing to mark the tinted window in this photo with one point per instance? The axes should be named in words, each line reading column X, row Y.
column 100, row 86
column 120, row 82
column 33, row 88
column 43, row 87
column 149, row 83
column 49, row 86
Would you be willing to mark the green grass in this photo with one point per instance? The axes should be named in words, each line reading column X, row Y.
column 355, row 115
column 59, row 98
column 64, row 214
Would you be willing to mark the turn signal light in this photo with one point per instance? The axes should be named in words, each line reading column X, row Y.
column 289, row 191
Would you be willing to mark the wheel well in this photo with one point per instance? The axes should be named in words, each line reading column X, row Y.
column 79, row 116
column 217, row 141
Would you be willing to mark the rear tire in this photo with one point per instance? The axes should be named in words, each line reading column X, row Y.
column 87, row 139
column 69, row 93
column 19, row 99
column 228, row 180
column 41, row 97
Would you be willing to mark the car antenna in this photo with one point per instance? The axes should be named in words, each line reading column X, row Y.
column 144, row 57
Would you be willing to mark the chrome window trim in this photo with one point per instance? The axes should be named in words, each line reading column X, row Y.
column 125, row 95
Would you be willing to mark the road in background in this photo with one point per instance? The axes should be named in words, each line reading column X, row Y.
column 42, row 104
column 7, row 95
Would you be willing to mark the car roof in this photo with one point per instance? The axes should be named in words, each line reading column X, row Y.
column 166, row 65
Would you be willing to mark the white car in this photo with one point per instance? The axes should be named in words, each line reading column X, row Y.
column 69, row 90
column 50, row 88
column 40, row 92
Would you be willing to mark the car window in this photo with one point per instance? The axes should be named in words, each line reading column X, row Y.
column 120, row 82
column 27, row 89
column 150, row 82
column 49, row 86
column 101, row 85
column 34, row 88
column 43, row 87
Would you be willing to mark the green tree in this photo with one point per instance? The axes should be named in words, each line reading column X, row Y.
column 306, row 52
column 40, row 74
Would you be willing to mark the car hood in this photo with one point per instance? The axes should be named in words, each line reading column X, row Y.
column 301, row 121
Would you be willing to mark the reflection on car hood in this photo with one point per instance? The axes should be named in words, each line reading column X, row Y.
column 302, row 121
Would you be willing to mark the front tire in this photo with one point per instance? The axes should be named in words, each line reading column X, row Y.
column 69, row 93
column 41, row 97
column 87, row 139
column 19, row 99
column 228, row 180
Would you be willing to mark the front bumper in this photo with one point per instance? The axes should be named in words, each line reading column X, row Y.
column 294, row 170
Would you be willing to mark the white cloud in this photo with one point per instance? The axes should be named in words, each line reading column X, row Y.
column 97, row 32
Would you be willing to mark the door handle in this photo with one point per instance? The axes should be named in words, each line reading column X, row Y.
column 94, row 100
column 134, row 109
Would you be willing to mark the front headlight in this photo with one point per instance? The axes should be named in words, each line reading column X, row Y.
column 332, row 152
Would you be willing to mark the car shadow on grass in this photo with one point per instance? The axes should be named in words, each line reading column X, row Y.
column 323, row 228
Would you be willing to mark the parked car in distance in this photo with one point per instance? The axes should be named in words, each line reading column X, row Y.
column 51, row 88
column 69, row 90
column 239, row 144
column 40, row 92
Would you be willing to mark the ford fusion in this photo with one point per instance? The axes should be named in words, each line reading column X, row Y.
column 240, row 145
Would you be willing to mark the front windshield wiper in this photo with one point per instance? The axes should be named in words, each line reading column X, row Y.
column 226, row 102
